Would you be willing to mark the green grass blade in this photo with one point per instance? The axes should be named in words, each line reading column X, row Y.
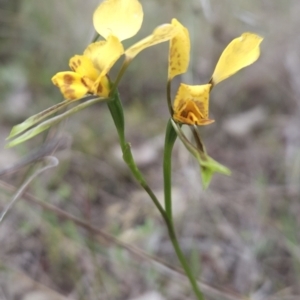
column 50, row 122
column 37, row 118
column 40, row 116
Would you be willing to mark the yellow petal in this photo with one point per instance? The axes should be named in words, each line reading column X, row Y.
column 83, row 65
column 240, row 53
column 161, row 34
column 101, row 87
column 191, row 104
column 179, row 53
column 93, row 50
column 121, row 18
column 70, row 84
column 104, row 54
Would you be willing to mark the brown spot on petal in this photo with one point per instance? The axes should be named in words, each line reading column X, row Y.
column 99, row 89
column 79, row 62
column 84, row 82
column 74, row 65
column 68, row 79
column 70, row 93
column 184, row 113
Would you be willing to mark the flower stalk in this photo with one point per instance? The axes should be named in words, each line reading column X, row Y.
column 116, row 110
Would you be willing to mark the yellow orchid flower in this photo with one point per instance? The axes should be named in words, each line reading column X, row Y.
column 115, row 21
column 191, row 105
column 83, row 79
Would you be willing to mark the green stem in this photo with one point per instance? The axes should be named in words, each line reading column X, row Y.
column 170, row 139
column 128, row 158
column 115, row 107
column 198, row 140
column 184, row 263
column 169, row 98
column 116, row 110
column 122, row 70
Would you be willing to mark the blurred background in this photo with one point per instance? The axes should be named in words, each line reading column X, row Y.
column 241, row 236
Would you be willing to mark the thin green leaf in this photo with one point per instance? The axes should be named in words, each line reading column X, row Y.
column 39, row 117
column 53, row 121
